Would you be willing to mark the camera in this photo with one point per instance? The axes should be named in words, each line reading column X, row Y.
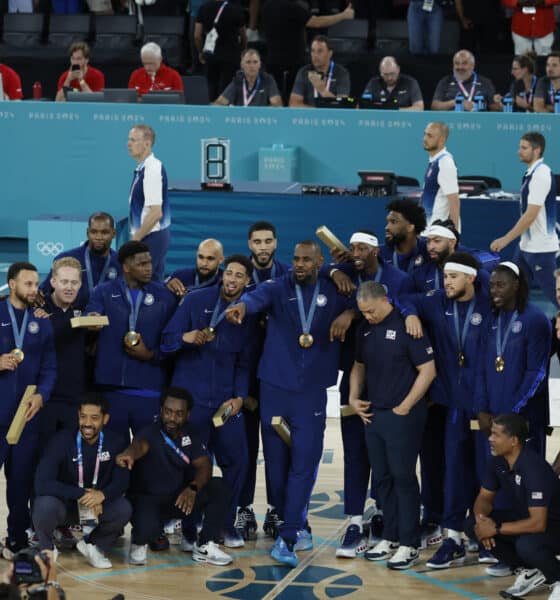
column 26, row 569
column 75, row 68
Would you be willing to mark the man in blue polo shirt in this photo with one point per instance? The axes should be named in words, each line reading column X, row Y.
column 397, row 370
column 99, row 262
column 527, row 536
column 536, row 228
column 149, row 216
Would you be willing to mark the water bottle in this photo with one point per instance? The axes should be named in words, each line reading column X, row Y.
column 557, row 102
column 459, row 103
column 367, row 96
column 479, row 103
column 37, row 90
column 507, row 102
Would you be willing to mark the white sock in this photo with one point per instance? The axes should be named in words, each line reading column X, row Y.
column 357, row 520
column 455, row 536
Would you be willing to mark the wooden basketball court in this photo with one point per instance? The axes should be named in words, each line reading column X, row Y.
column 254, row 575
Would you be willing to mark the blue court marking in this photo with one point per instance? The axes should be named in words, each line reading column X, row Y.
column 445, row 585
column 472, row 579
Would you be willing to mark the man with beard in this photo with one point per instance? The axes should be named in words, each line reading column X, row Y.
column 262, row 243
column 27, row 357
column 404, row 248
column 128, row 365
column 365, row 265
column 99, row 262
column 79, row 467
column 209, row 257
column 298, row 363
column 172, row 478
column 548, row 86
column 206, row 343
column 456, row 317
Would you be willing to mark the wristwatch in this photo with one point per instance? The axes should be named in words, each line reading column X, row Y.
column 498, row 528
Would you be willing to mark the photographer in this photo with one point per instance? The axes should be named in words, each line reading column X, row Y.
column 80, row 77
column 29, row 567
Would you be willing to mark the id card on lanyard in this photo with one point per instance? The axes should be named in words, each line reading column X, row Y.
column 88, row 519
column 468, row 95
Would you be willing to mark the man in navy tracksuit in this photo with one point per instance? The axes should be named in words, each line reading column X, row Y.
column 365, row 266
column 207, row 343
column 27, row 357
column 128, row 359
column 262, row 242
column 78, row 468
column 299, row 362
column 404, row 248
column 209, row 257
column 99, row 262
column 456, row 318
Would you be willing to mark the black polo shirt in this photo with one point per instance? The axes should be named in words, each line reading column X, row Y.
column 284, row 26
column 390, row 357
column 531, row 482
column 162, row 471
column 518, row 89
column 543, row 91
column 405, row 93
column 447, row 88
column 231, row 20
column 339, row 84
column 265, row 86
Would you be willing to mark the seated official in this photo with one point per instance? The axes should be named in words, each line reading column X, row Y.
column 154, row 75
column 392, row 90
column 323, row 78
column 77, row 480
column 80, row 77
column 548, row 87
column 527, row 537
column 524, row 85
column 172, row 478
column 11, row 84
column 475, row 91
column 251, row 86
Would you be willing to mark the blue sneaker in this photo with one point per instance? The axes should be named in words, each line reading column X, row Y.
column 353, row 543
column 499, row 570
column 304, row 540
column 486, row 557
column 282, row 553
column 449, row 554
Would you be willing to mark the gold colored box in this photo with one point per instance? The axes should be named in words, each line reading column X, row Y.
column 347, row 410
column 475, row 425
column 90, row 321
column 282, row 428
column 330, row 239
column 222, row 415
column 18, row 422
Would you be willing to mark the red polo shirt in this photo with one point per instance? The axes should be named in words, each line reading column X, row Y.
column 94, row 78
column 532, row 26
column 166, row 79
column 11, row 82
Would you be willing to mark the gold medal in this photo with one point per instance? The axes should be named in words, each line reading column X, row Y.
column 500, row 364
column 461, row 359
column 306, row 340
column 210, row 333
column 18, row 354
column 131, row 339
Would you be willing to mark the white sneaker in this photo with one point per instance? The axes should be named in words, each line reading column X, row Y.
column 526, row 581
column 382, row 551
column 404, row 558
column 138, row 554
column 94, row 555
column 186, row 544
column 555, row 591
column 210, row 553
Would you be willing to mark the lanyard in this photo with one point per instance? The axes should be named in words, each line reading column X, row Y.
column 258, row 280
column 411, row 261
column 552, row 93
column 19, row 333
column 377, row 277
column 529, row 95
column 329, row 79
column 175, row 449
column 247, row 99
column 306, row 321
column 134, row 308
column 197, row 285
column 217, row 317
column 462, row 336
column 469, row 95
column 81, row 460
column 89, row 272
column 501, row 346
column 219, row 14
column 437, row 284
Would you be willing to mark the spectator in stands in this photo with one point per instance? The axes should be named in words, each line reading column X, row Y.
column 284, row 23
column 480, row 20
column 20, row 6
column 251, row 86
column 10, row 84
column 467, row 84
column 219, row 36
column 549, row 86
column 154, row 75
column 67, row 7
column 323, row 78
column 425, row 21
column 397, row 91
column 532, row 25
column 80, row 77
column 523, row 88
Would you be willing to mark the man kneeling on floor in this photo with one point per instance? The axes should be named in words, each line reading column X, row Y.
column 171, row 478
column 78, row 480
column 526, row 537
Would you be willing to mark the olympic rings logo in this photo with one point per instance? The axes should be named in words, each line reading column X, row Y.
column 50, row 248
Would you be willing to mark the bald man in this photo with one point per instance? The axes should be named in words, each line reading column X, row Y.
column 392, row 89
column 477, row 92
column 209, row 257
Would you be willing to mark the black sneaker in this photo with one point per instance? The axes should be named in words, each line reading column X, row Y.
column 160, row 544
column 271, row 523
column 246, row 523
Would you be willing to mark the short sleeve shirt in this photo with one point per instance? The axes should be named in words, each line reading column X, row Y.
column 284, row 26
column 404, row 94
column 518, row 89
column 11, row 82
column 390, row 357
column 94, row 78
column 448, row 88
column 264, row 89
column 230, row 22
column 339, row 83
column 544, row 91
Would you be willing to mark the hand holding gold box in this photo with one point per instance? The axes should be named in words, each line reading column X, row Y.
column 330, row 239
column 222, row 415
column 282, row 428
column 89, row 321
column 18, row 422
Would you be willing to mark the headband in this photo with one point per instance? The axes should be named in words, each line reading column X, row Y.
column 364, row 238
column 510, row 265
column 441, row 231
column 453, row 266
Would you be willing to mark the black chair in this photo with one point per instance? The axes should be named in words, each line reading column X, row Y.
column 64, row 30
column 391, row 35
column 117, row 32
column 349, row 37
column 196, row 89
column 491, row 182
column 23, row 30
column 169, row 34
column 403, row 180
